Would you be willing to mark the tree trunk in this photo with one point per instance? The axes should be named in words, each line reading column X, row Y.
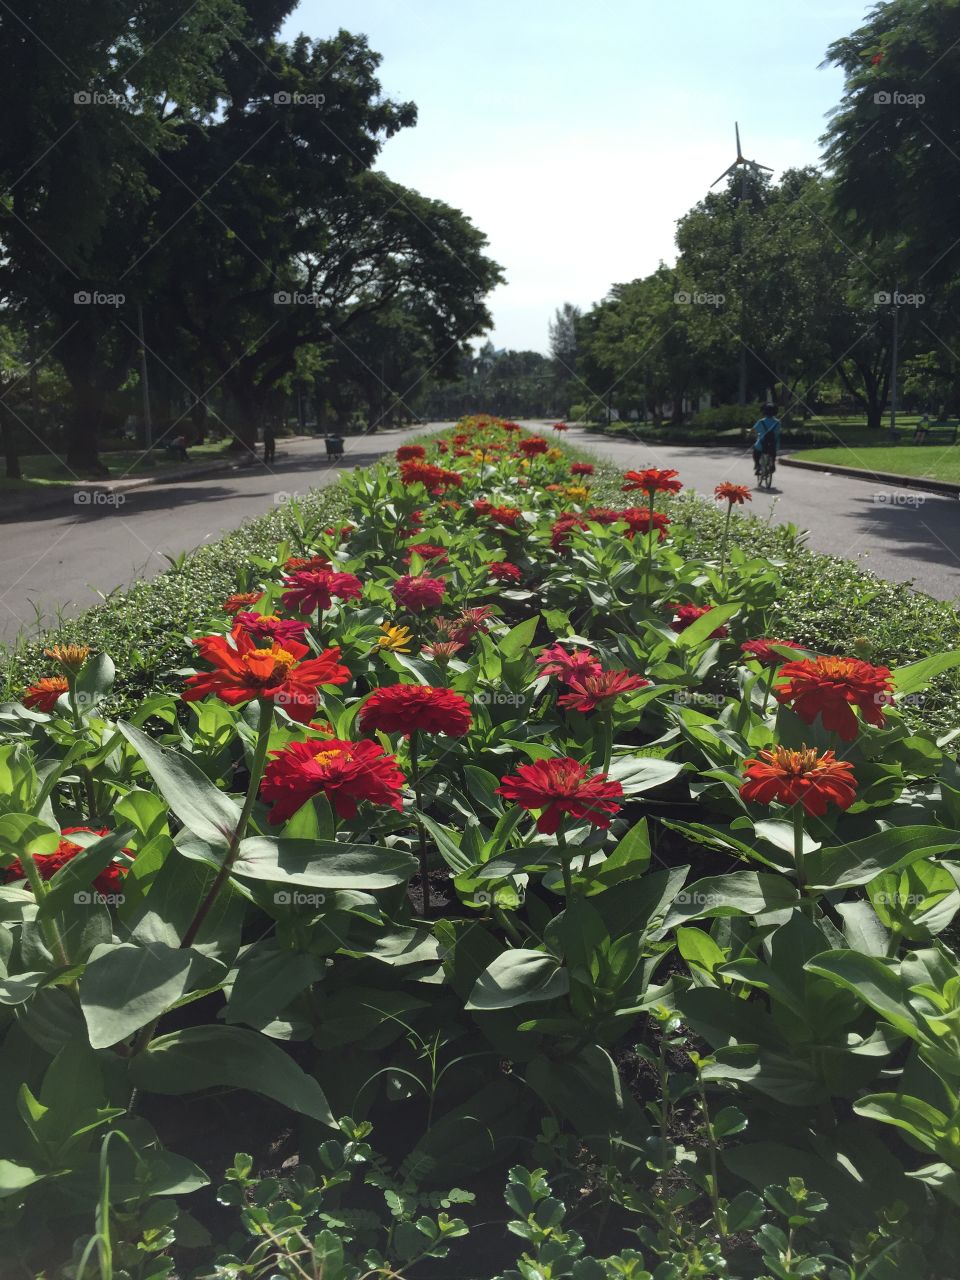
column 78, row 355
column 10, row 453
column 198, row 419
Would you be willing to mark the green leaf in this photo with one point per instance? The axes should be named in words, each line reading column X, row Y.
column 232, row 1057
column 267, row 979
column 518, row 977
column 322, row 864
column 518, row 640
column 126, row 986
column 200, row 806
column 844, row 866
column 23, row 833
column 917, row 675
column 705, row 625
column 741, row 893
column 875, row 981
column 15, row 1178
column 94, row 682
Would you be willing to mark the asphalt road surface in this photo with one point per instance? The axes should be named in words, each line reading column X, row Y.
column 61, row 560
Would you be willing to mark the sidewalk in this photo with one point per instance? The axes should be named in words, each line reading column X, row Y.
column 18, row 504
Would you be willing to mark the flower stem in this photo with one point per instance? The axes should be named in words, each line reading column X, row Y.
column 798, row 852
column 723, row 550
column 421, row 834
column 565, row 864
column 650, row 541
column 81, row 730
column 768, row 689
column 51, row 932
column 253, row 789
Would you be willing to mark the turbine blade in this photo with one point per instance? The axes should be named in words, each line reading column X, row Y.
column 736, row 127
column 726, row 173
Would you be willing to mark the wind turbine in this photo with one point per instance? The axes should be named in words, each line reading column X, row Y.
column 742, row 164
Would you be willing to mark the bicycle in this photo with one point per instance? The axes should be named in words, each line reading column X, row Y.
column 767, row 466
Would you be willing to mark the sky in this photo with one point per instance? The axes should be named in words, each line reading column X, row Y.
column 575, row 133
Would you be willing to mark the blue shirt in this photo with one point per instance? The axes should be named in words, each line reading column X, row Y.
column 763, row 428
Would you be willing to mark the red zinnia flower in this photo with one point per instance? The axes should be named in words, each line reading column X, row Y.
column 598, row 689
column 404, row 708
column 279, row 674
column 532, row 446
column 269, row 627
column 603, row 515
column 407, row 452
column 310, row 590
column 346, row 772
column 296, row 563
column 233, row 604
column 507, row 516
column 762, row 651
column 831, row 687
column 732, row 493
column 638, row 518
column 43, row 695
column 436, row 479
column 800, row 777
column 504, row 571
column 560, row 426
column 418, row 593
column 652, row 480
column 581, row 468
column 482, row 507
column 471, row 622
column 341, row 534
column 561, row 786
column 108, row 881
column 568, row 664
column 426, row 552
column 687, row 614
column 562, row 528
column 442, row 650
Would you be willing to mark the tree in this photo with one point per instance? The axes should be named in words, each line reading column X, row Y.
column 106, row 85
column 894, row 139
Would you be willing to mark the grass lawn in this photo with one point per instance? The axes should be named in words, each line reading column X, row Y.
column 932, row 461
column 44, row 469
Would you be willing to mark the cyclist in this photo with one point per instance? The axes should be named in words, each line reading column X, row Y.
column 768, row 436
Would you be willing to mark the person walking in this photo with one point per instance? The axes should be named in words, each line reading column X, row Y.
column 269, row 443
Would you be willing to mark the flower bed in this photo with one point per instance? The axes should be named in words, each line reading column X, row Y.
column 494, row 822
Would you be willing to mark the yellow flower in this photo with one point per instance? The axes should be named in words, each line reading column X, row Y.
column 395, row 639
column 554, row 455
column 578, row 492
column 70, row 657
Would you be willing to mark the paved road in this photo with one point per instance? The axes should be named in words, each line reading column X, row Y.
column 903, row 535
column 61, row 558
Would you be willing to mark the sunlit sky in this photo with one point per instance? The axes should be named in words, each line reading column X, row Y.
column 576, row 133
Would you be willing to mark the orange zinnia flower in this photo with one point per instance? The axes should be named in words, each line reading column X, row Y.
column 242, row 672
column 243, row 600
column 652, row 480
column 732, row 493
column 800, row 777
column 831, row 687
column 43, row 695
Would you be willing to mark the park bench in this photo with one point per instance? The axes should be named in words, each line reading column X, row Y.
column 927, row 432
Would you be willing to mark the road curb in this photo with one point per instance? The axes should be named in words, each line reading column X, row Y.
column 945, row 488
